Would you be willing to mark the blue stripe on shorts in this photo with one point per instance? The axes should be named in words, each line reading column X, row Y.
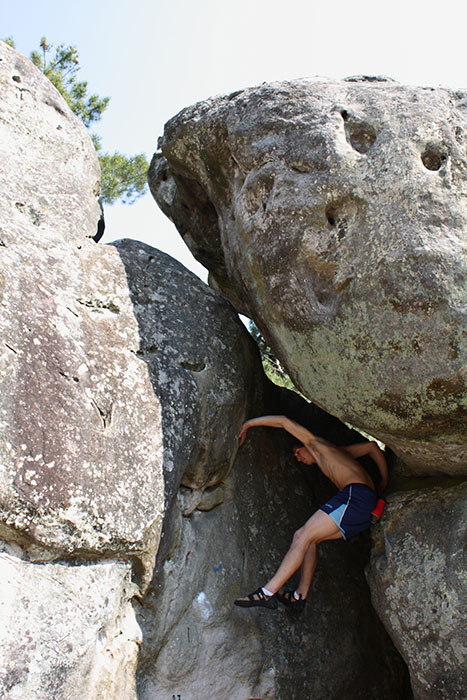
column 351, row 508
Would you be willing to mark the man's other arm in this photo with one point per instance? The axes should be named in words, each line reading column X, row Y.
column 361, row 449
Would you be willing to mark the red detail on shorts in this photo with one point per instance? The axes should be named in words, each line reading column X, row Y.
column 379, row 507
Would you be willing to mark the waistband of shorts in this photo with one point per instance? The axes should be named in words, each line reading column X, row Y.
column 363, row 486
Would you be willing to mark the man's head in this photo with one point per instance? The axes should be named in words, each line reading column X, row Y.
column 301, row 454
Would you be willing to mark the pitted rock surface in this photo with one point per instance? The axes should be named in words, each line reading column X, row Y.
column 118, row 365
column 49, row 172
column 334, row 214
column 418, row 587
column 81, row 447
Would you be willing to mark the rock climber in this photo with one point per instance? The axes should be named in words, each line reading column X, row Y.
column 344, row 515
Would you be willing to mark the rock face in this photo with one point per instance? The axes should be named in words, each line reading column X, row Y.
column 334, row 214
column 66, row 631
column 418, row 584
column 200, row 361
column 49, row 172
column 81, row 448
column 123, row 384
column 120, row 374
column 224, row 543
column 92, row 418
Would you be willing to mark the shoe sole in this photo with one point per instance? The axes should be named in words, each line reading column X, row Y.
column 255, row 604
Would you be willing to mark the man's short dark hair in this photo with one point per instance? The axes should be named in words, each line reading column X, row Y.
column 296, row 445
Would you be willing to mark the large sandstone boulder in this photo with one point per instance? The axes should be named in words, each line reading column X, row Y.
column 418, row 587
column 334, row 213
column 122, row 373
column 200, row 361
column 81, row 448
column 49, row 172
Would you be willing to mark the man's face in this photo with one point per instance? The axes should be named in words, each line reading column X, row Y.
column 301, row 454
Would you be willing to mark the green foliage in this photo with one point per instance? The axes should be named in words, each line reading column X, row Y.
column 62, row 68
column 123, row 177
column 271, row 365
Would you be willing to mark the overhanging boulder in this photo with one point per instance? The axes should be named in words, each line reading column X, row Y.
column 334, row 214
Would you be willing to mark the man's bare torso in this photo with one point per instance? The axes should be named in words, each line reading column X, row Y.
column 341, row 468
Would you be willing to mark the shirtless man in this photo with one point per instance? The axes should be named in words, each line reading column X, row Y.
column 344, row 515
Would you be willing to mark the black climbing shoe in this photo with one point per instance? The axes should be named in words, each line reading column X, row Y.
column 257, row 599
column 287, row 598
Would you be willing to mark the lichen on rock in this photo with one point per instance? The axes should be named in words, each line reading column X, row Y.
column 334, row 214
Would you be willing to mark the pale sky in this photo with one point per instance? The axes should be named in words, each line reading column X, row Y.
column 154, row 57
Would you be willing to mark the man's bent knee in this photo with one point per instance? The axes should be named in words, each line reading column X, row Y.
column 302, row 537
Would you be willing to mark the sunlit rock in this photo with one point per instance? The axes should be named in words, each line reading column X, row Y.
column 334, row 213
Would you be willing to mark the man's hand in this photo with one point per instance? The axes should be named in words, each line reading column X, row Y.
column 243, row 433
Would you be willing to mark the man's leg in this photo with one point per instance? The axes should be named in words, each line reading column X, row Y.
column 307, row 571
column 318, row 528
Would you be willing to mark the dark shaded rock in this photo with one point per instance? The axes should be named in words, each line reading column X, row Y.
column 200, row 361
column 417, row 581
column 197, row 644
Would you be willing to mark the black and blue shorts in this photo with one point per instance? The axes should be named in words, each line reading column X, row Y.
column 351, row 508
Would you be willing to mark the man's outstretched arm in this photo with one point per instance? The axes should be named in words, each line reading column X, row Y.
column 310, row 441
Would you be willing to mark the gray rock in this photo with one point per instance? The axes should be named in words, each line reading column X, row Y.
column 200, row 360
column 418, row 587
column 196, row 644
column 67, row 630
column 81, row 446
column 121, row 375
column 334, row 214
column 124, row 364
column 49, row 172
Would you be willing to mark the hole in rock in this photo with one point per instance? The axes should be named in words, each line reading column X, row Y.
column 331, row 216
column 17, row 78
column 193, row 365
column 341, row 214
column 344, row 115
column 300, row 167
column 360, row 135
column 432, row 157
